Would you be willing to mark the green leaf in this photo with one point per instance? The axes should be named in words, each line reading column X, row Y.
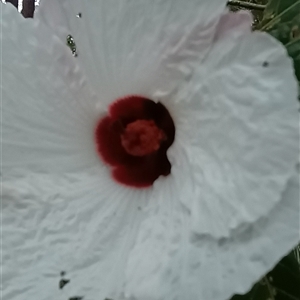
column 279, row 11
column 287, row 32
column 285, row 278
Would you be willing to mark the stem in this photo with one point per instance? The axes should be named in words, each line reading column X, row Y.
column 247, row 5
column 272, row 296
column 278, row 17
column 292, row 42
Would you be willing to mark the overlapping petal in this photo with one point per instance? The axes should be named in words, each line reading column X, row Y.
column 180, row 266
column 243, row 140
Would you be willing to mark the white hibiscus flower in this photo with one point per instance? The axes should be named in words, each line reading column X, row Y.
column 220, row 206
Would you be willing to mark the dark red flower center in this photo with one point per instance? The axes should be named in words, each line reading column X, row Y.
column 141, row 137
column 134, row 138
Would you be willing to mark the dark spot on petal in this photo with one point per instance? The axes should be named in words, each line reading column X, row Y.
column 71, row 44
column 265, row 64
column 63, row 282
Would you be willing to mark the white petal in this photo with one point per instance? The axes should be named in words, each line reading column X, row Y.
column 243, row 140
column 135, row 47
column 232, row 265
column 49, row 112
column 169, row 261
column 157, row 261
column 82, row 224
column 241, row 21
